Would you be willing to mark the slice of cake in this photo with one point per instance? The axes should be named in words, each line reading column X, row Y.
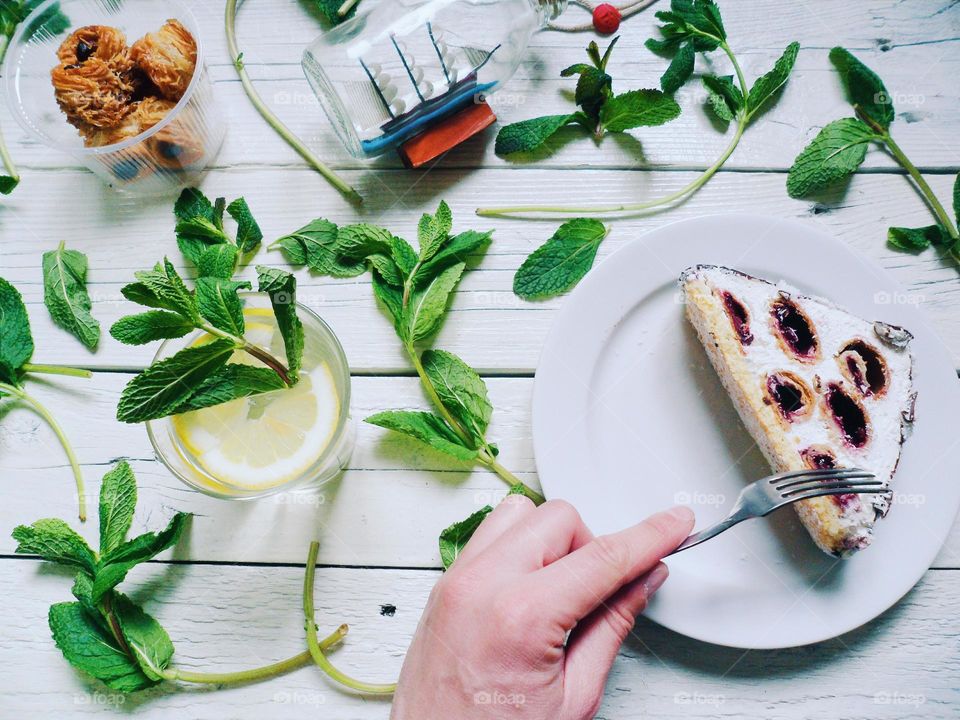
column 815, row 386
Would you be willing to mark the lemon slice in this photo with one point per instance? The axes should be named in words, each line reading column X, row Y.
column 267, row 440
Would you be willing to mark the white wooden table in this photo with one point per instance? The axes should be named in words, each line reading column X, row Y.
column 230, row 593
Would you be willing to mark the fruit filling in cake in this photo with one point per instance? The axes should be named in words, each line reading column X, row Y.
column 816, row 387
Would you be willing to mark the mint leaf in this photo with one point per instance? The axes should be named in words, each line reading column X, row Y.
column 229, row 383
column 461, row 390
column 115, row 565
column 147, row 640
column 7, row 184
column 16, row 342
column 118, row 500
column 916, row 239
column 864, row 88
column 425, row 427
column 387, row 269
column 433, row 231
column 593, row 88
column 702, row 15
column 219, row 303
column 163, row 288
column 528, row 135
column 282, row 288
column 56, row 541
column 149, row 326
column 455, row 538
column 88, row 647
column 162, row 387
column 404, row 255
column 725, row 97
column 766, row 86
column 83, row 591
column 561, row 262
column 679, row 70
column 457, row 250
column 390, row 297
column 249, row 234
column 315, row 245
column 360, row 240
column 429, row 304
column 65, row 294
column 638, row 108
column 199, row 224
column 219, row 261
column 835, row 153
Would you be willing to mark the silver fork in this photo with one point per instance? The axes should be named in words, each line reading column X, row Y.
column 771, row 493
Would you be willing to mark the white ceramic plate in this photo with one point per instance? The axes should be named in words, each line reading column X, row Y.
column 630, row 418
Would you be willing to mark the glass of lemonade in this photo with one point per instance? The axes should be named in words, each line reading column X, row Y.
column 299, row 437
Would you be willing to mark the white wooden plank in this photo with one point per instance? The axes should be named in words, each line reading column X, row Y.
column 387, row 510
column 488, row 325
column 894, row 38
column 903, row 665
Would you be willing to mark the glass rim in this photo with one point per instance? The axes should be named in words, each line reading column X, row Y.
column 155, row 427
column 12, row 90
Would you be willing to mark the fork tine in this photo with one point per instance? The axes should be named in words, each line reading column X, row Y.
column 773, row 479
column 851, row 485
column 825, row 477
column 868, row 490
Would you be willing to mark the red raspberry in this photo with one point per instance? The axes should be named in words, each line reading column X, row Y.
column 606, row 19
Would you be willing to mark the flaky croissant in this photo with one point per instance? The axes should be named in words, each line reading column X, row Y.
column 168, row 57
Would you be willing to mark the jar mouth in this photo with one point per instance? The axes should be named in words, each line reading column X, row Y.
column 171, row 455
column 13, row 89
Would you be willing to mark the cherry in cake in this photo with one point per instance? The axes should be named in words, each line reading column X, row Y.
column 816, row 387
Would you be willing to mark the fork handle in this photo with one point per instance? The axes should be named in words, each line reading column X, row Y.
column 734, row 518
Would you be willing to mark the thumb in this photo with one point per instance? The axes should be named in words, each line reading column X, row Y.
column 595, row 642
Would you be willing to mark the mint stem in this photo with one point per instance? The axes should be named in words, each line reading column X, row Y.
column 316, row 651
column 61, row 436
column 938, row 210
column 4, row 152
column 262, row 673
column 230, row 22
column 56, row 370
column 253, row 350
column 490, row 461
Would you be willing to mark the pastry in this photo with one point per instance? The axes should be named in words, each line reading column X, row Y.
column 91, row 94
column 168, row 57
column 816, row 387
column 94, row 41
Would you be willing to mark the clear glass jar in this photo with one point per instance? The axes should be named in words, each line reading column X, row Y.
column 160, row 160
column 248, row 448
column 392, row 70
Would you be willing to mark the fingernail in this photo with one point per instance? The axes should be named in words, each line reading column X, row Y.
column 681, row 512
column 655, row 578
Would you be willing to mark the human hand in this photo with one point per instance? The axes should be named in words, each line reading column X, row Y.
column 492, row 641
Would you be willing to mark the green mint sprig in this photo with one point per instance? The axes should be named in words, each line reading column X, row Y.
column 600, row 110
column 200, row 375
column 202, row 238
column 414, row 287
column 108, row 636
column 12, row 13
column 689, row 27
column 16, row 351
column 65, row 294
column 841, row 146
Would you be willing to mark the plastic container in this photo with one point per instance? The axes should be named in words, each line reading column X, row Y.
column 399, row 66
column 168, row 156
column 322, row 354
